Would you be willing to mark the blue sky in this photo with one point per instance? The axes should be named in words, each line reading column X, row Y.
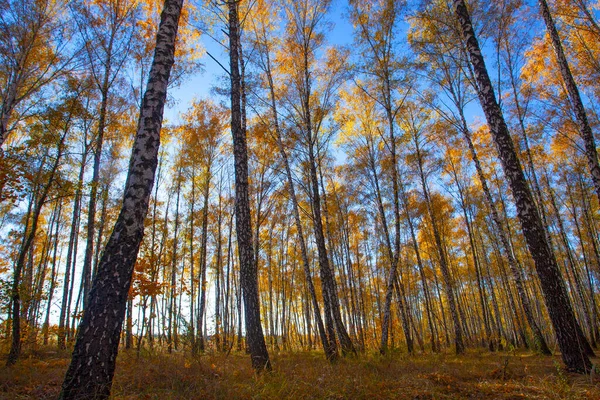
column 199, row 85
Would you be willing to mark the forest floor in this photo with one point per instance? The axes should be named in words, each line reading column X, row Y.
column 478, row 374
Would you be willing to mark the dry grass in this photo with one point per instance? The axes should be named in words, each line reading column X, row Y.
column 309, row 376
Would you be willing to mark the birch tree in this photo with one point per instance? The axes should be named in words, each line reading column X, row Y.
column 92, row 366
column 574, row 346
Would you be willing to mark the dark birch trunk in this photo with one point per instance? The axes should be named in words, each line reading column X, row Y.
column 435, row 346
column 248, row 272
column 92, row 367
column 91, row 221
column 391, row 249
column 572, row 343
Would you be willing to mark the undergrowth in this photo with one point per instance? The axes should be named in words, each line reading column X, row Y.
column 307, row 375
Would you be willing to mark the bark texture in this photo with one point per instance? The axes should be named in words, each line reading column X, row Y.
column 254, row 334
column 93, row 364
column 572, row 343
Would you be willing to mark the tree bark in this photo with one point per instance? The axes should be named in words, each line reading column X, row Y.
column 92, row 367
column 248, row 271
column 570, row 337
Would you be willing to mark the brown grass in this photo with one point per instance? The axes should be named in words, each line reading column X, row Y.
column 478, row 374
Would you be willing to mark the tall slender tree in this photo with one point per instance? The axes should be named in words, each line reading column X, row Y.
column 248, row 268
column 313, row 88
column 92, row 367
column 415, row 119
column 266, row 46
column 573, row 345
column 377, row 25
column 591, row 153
